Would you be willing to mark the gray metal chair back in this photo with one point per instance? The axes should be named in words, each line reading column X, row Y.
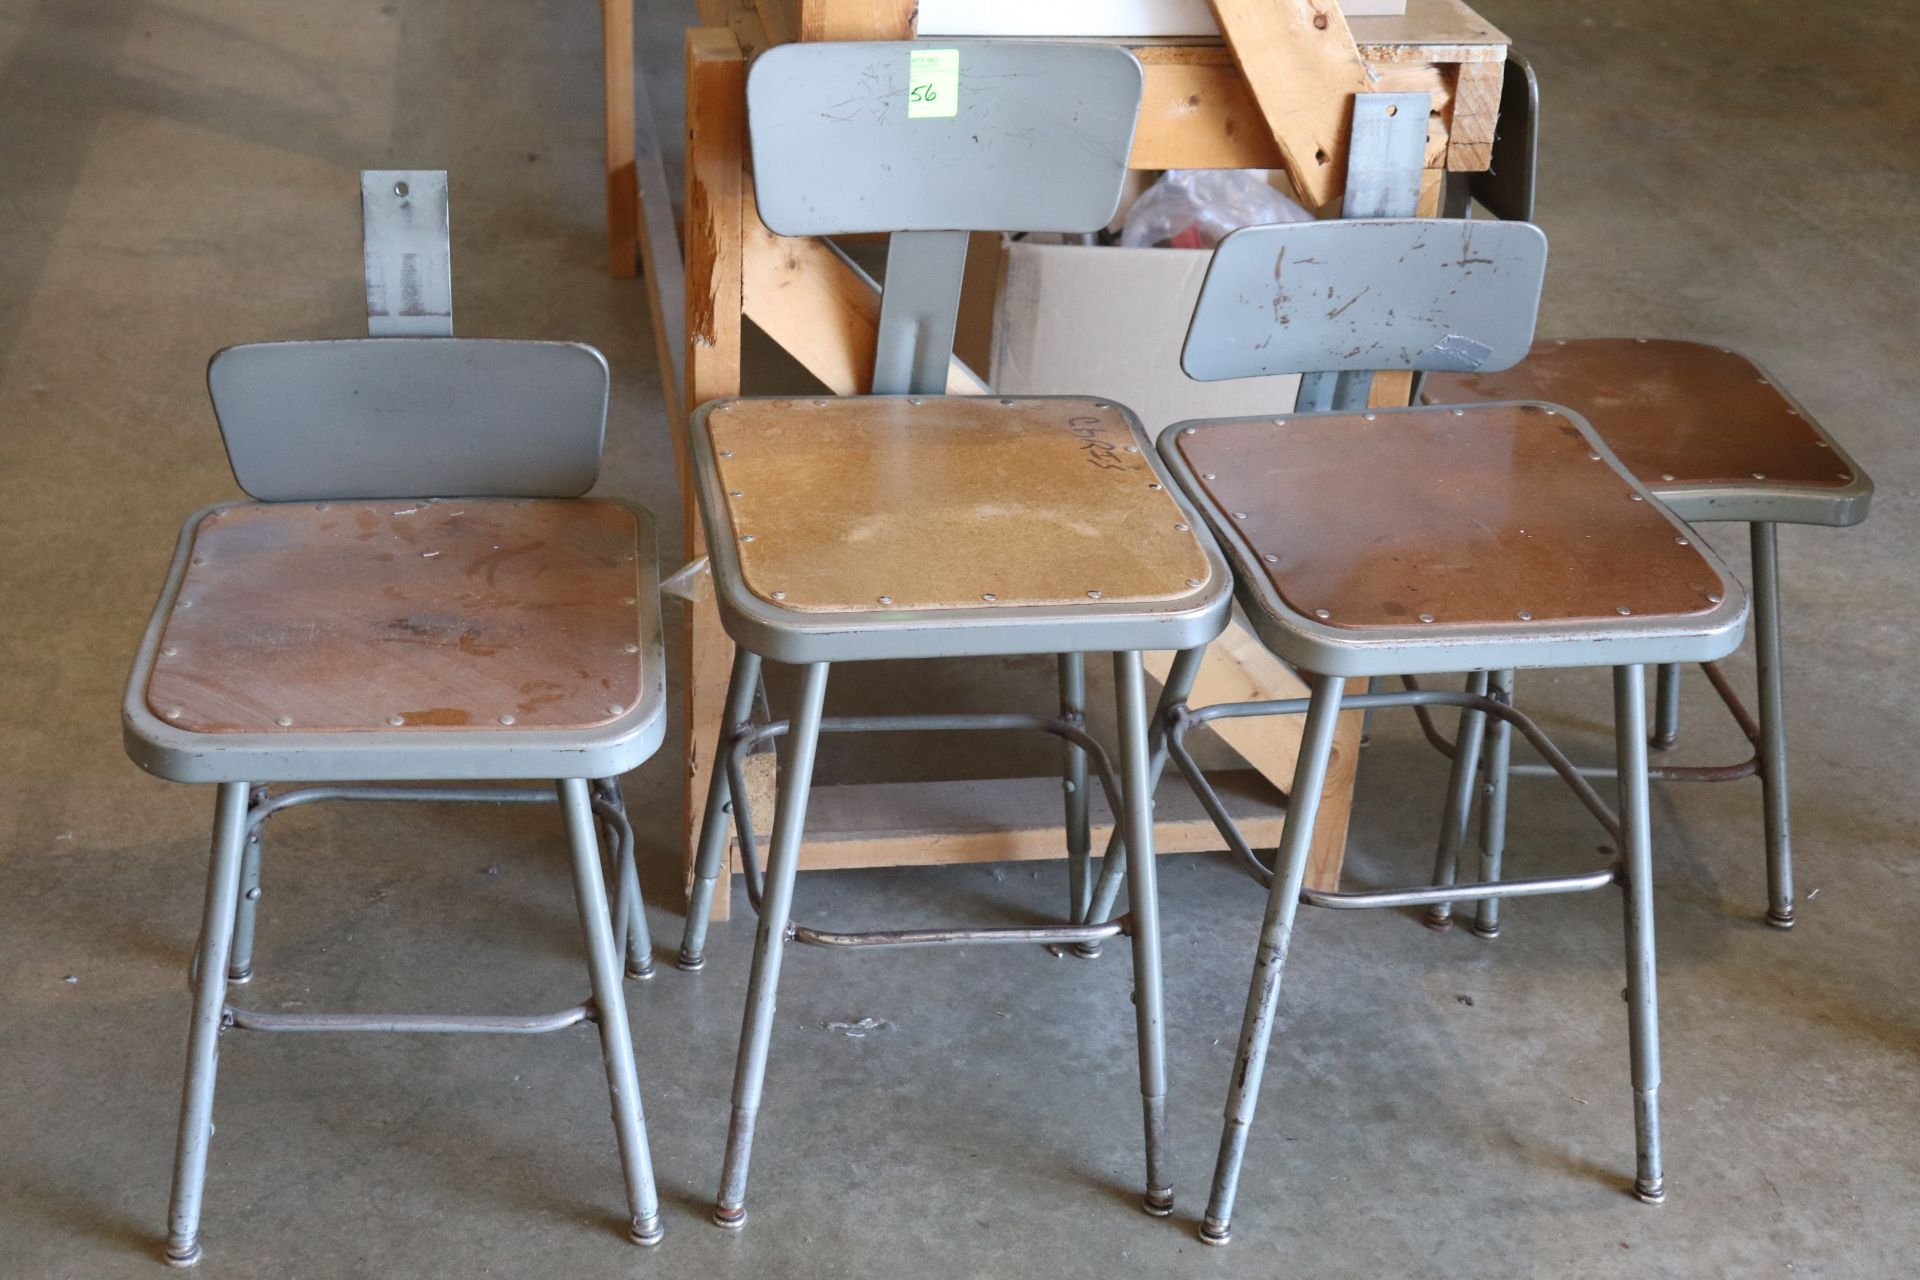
column 1357, row 296
column 411, row 417
column 930, row 140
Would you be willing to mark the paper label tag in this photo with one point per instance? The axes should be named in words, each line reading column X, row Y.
column 933, row 84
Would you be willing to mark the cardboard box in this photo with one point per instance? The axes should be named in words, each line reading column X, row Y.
column 1093, row 320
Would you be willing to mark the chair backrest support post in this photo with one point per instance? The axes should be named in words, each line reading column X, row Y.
column 919, row 308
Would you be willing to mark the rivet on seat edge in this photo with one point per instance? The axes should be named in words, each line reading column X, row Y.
column 506, row 719
column 1426, row 617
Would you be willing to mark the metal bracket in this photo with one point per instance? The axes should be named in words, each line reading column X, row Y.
column 1384, row 164
column 691, row 582
column 409, row 265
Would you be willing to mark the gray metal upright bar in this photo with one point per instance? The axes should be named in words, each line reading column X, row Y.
column 1643, row 997
column 776, row 909
column 1773, row 724
column 610, row 1009
column 1493, row 804
column 1149, row 997
column 1459, row 807
column 203, row 1034
column 1276, row 936
column 1073, row 781
column 918, row 310
column 741, row 687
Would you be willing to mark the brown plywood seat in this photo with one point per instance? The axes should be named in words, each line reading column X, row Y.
column 1478, row 517
column 892, row 503
column 404, row 617
column 1680, row 414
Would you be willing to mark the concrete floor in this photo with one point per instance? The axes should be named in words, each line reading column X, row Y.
column 181, row 176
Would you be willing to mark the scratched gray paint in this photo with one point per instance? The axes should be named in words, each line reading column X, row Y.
column 1039, row 143
column 404, row 225
column 411, row 417
column 1390, row 293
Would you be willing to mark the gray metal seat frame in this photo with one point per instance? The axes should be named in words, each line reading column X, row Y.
column 1507, row 190
column 261, row 398
column 1039, row 143
column 1235, row 333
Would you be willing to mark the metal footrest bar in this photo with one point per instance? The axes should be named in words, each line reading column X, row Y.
column 531, row 1024
column 1749, row 727
column 1747, row 768
column 1533, row 888
column 1182, row 718
column 1072, row 729
column 1056, row 933
column 273, row 804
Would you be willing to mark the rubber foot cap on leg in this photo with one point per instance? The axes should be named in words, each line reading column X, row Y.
column 1651, row 1192
column 1158, row 1203
column 1488, row 933
column 1780, row 921
column 644, row 973
column 729, row 1219
column 690, row 964
column 647, row 1232
column 1439, row 924
column 240, row 979
column 1212, row 1232
column 179, row 1257
column 1087, row 950
column 1663, row 741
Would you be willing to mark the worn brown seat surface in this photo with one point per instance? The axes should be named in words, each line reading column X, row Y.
column 404, row 616
column 1676, row 413
column 864, row 504
column 1481, row 516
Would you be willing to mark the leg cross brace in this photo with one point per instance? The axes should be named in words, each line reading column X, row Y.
column 1071, row 728
column 1181, row 719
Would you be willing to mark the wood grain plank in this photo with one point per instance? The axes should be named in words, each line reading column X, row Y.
column 1303, row 67
column 623, row 191
column 890, row 824
column 716, row 77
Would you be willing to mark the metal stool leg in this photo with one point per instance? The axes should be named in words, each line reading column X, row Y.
column 240, row 963
column 1773, row 727
column 610, row 1009
column 1493, row 805
column 1666, row 707
column 1149, row 999
column 1073, row 779
column 1180, row 678
column 1276, row 935
column 741, row 688
column 203, row 1035
column 1643, row 997
column 776, row 907
column 1459, row 810
column 630, row 915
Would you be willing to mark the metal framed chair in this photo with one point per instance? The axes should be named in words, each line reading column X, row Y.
column 417, row 593
column 1367, row 543
column 910, row 524
column 1715, row 437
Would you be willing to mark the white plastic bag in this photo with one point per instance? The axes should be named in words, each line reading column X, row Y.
column 1196, row 208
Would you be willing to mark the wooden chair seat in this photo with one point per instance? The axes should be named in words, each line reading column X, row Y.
column 1481, row 517
column 405, row 617
column 891, row 503
column 1679, row 415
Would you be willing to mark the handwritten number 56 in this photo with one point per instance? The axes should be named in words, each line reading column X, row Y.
column 922, row 93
